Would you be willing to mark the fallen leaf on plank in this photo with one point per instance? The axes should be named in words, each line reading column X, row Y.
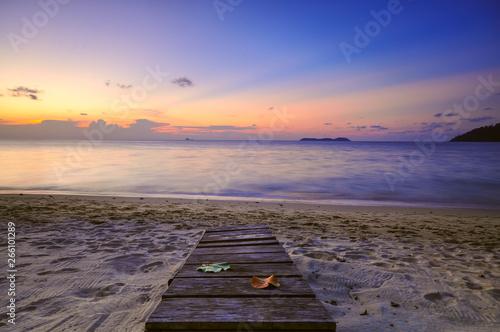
column 263, row 283
column 215, row 267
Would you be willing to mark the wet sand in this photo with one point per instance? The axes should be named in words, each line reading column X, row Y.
column 102, row 263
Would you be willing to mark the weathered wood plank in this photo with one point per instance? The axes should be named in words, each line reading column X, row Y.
column 236, row 287
column 237, row 250
column 238, row 237
column 235, row 233
column 239, row 244
column 253, row 329
column 226, row 301
column 243, row 271
column 233, row 330
column 243, row 237
column 272, row 257
column 240, row 314
column 231, row 228
column 256, row 329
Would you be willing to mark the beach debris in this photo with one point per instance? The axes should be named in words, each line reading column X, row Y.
column 364, row 313
column 215, row 267
column 394, row 304
column 263, row 283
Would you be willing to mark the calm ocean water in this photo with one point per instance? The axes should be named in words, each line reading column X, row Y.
column 363, row 173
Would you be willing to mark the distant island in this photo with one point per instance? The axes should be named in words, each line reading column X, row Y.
column 482, row 134
column 338, row 139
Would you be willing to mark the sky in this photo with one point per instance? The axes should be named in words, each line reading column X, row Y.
column 237, row 69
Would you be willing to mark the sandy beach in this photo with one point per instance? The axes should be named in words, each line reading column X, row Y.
column 102, row 263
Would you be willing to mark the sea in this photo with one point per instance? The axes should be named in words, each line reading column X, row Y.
column 419, row 174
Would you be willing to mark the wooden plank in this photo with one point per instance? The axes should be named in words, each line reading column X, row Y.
column 244, row 271
column 231, row 228
column 238, row 244
column 272, row 257
column 240, row 231
column 240, row 314
column 226, row 301
column 237, row 250
column 236, row 287
column 243, row 237
column 235, row 233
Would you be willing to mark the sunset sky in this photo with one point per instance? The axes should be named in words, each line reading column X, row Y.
column 230, row 69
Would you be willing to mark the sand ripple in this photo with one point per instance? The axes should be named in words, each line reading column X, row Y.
column 102, row 264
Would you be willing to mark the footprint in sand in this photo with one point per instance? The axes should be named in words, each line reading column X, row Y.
column 27, row 309
column 98, row 292
column 472, row 284
column 143, row 298
column 441, row 298
column 383, row 265
column 353, row 254
column 43, row 305
column 495, row 293
column 113, row 244
column 86, row 292
column 126, row 263
column 65, row 270
column 326, row 256
column 168, row 248
column 64, row 259
column 52, row 247
column 150, row 267
column 110, row 290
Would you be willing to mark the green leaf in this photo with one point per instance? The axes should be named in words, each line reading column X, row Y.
column 216, row 267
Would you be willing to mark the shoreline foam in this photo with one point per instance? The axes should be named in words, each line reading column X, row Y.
column 272, row 200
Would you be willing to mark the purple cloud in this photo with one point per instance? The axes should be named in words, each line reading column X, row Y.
column 183, row 82
column 22, row 91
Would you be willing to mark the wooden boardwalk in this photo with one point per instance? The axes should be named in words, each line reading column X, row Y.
column 226, row 301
